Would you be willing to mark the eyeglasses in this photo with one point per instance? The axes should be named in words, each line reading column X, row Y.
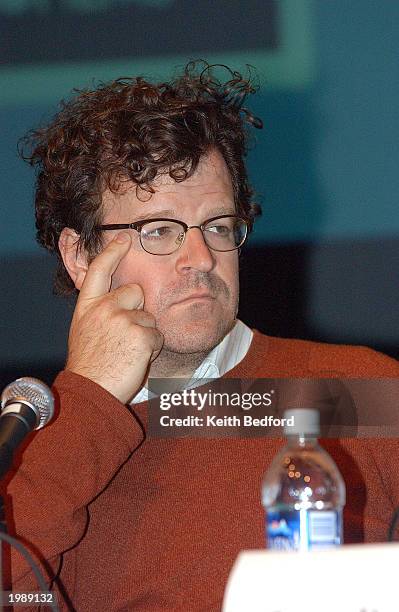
column 165, row 236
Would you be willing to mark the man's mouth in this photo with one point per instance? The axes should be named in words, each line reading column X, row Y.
column 194, row 297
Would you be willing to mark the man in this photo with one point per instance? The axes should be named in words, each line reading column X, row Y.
column 143, row 194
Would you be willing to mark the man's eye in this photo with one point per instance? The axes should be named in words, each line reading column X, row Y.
column 157, row 233
column 220, row 230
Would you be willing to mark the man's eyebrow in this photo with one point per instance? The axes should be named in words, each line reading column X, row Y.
column 159, row 213
column 222, row 210
column 171, row 214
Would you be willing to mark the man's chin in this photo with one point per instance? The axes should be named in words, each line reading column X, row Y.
column 195, row 336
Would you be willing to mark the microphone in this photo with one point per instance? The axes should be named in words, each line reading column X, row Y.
column 26, row 404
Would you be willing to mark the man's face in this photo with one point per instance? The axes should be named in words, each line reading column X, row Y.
column 193, row 292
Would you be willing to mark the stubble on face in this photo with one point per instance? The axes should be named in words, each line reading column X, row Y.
column 199, row 326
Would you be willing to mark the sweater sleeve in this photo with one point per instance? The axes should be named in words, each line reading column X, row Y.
column 64, row 468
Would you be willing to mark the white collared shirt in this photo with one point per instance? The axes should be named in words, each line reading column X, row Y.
column 224, row 357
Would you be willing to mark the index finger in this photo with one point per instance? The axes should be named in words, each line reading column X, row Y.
column 98, row 277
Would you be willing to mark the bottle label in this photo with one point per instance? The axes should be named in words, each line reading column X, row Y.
column 303, row 529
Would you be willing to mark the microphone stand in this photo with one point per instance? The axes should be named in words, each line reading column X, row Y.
column 3, row 529
column 13, row 431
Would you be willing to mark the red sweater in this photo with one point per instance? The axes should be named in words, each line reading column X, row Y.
column 156, row 524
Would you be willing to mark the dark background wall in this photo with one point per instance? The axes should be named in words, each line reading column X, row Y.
column 323, row 261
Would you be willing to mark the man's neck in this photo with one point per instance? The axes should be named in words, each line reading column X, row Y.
column 176, row 365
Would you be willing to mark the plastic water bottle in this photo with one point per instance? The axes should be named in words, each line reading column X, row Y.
column 303, row 493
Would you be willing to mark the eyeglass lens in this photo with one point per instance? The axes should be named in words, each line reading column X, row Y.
column 164, row 237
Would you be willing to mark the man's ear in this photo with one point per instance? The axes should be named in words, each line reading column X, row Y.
column 74, row 258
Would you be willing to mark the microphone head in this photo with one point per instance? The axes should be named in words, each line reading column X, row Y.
column 35, row 393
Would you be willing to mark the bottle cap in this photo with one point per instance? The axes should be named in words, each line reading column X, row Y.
column 302, row 421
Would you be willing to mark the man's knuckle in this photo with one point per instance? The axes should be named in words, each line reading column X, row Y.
column 105, row 307
column 140, row 333
column 148, row 318
column 135, row 287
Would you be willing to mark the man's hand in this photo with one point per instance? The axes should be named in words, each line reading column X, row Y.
column 112, row 340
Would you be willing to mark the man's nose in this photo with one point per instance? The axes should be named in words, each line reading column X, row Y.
column 194, row 253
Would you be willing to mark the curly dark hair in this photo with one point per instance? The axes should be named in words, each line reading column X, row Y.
column 130, row 130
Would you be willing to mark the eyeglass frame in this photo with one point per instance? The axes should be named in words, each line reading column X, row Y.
column 137, row 225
